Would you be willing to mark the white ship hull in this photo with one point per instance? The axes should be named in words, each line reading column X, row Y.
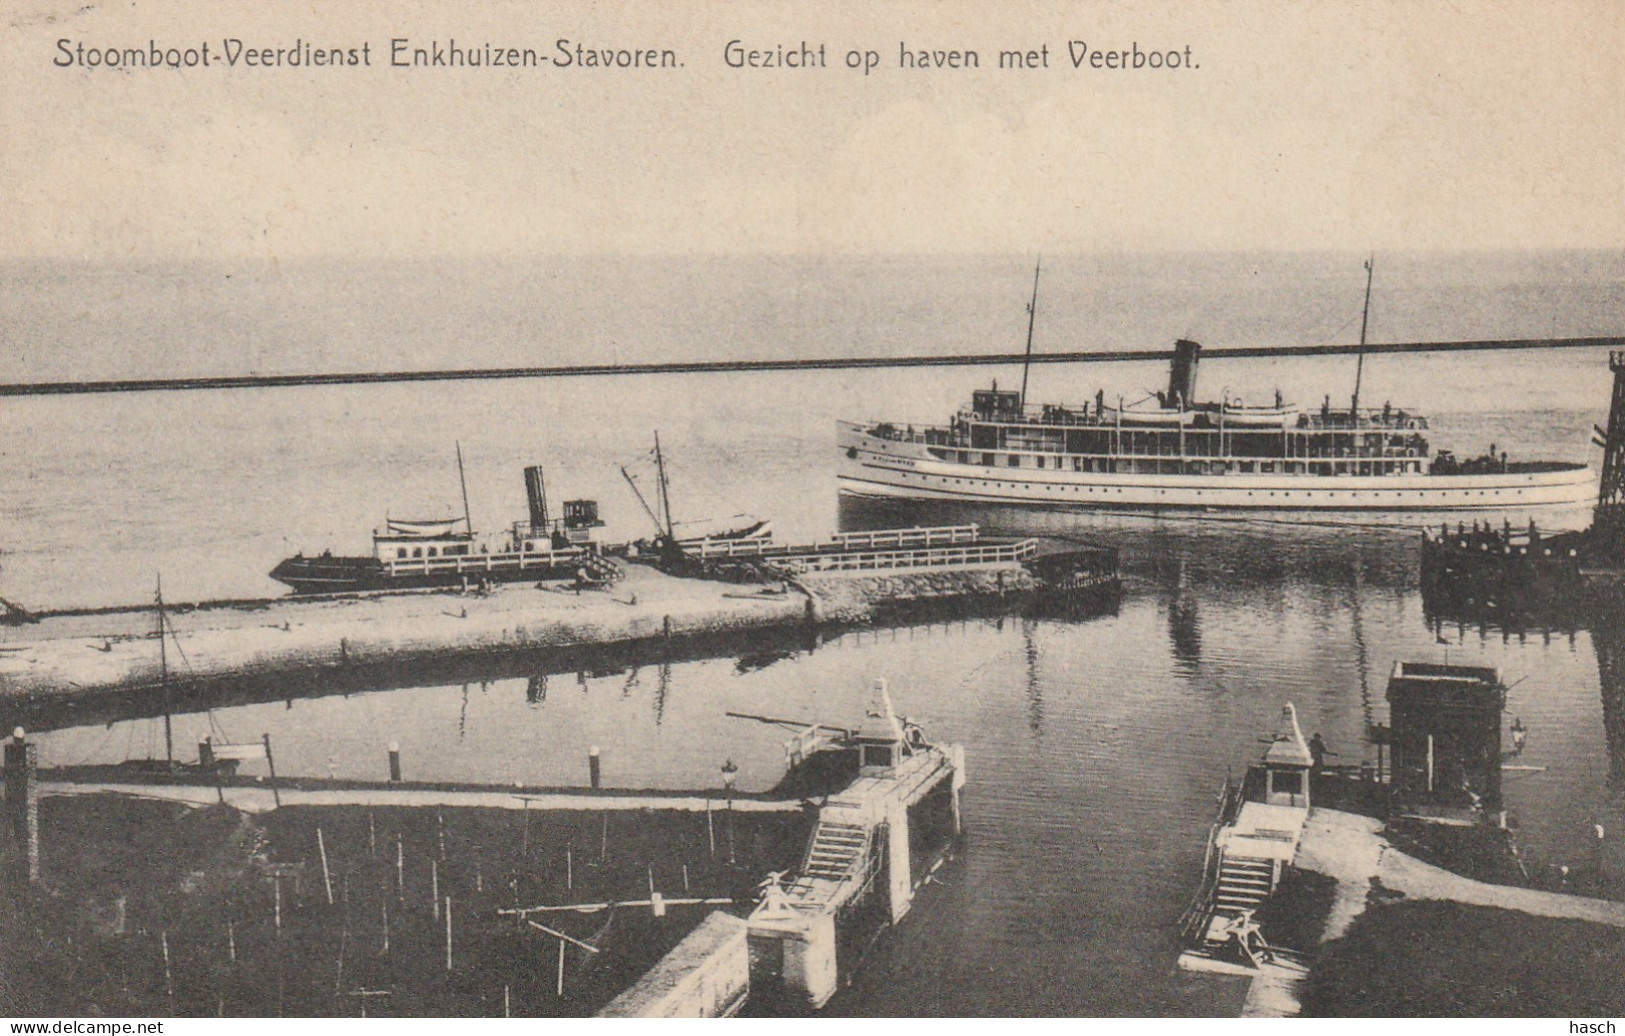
column 872, row 466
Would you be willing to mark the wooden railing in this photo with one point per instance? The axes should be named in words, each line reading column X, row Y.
column 474, row 564
column 920, row 557
column 916, row 537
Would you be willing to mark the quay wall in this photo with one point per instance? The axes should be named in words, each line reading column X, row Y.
column 853, row 596
column 75, row 656
column 707, row 975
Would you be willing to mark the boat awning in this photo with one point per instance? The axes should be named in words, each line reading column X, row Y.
column 423, row 527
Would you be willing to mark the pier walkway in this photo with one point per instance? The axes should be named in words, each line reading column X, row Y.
column 1349, row 848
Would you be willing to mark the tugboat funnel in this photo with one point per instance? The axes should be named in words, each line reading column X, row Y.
column 536, row 493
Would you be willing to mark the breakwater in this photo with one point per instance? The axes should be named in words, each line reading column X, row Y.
column 73, row 655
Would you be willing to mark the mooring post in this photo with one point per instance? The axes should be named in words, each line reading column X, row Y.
column 395, row 762
column 22, row 798
column 592, row 765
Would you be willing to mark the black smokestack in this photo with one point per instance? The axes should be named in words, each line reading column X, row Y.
column 1182, row 375
column 536, row 492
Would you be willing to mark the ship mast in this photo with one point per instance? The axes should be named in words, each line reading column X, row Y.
column 665, row 489
column 163, row 677
column 1032, row 310
column 468, row 524
column 639, row 494
column 1359, row 364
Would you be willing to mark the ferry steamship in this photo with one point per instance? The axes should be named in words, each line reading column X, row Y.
column 1186, row 454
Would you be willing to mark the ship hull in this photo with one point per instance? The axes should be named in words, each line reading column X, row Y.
column 872, row 466
column 334, row 575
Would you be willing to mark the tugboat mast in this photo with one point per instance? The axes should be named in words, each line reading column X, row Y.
column 665, row 490
column 468, row 523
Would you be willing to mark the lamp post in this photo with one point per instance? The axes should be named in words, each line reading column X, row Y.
column 730, row 773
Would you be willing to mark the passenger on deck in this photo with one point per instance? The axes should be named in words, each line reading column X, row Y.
column 1318, row 752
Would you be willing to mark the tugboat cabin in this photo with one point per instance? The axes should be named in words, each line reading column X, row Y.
column 404, row 540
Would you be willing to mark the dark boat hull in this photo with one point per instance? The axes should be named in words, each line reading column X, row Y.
column 336, row 575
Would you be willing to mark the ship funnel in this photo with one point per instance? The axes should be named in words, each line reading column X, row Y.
column 536, row 493
column 1182, row 374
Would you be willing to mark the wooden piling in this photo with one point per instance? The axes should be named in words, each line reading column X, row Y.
column 395, row 762
column 270, row 764
column 22, row 798
column 338, row 981
column 169, row 981
column 327, row 877
column 448, row 933
column 593, row 772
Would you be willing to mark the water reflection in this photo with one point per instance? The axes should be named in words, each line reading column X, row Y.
column 1609, row 639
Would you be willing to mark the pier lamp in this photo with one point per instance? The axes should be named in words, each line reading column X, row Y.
column 730, row 773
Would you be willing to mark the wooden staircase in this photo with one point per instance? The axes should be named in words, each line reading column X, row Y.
column 836, row 853
column 599, row 568
column 1244, row 882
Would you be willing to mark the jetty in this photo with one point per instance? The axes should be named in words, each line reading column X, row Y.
column 1445, row 769
column 77, row 654
column 856, row 874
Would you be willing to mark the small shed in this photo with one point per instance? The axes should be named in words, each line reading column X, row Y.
column 1446, row 735
column 1287, row 763
column 879, row 738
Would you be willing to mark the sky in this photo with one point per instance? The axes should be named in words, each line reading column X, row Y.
column 1302, row 126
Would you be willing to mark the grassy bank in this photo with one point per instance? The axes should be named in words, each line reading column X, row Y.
column 1438, row 959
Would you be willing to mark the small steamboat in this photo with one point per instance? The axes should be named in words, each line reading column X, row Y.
column 444, row 552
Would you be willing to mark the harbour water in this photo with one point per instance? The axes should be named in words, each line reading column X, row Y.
column 1095, row 747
